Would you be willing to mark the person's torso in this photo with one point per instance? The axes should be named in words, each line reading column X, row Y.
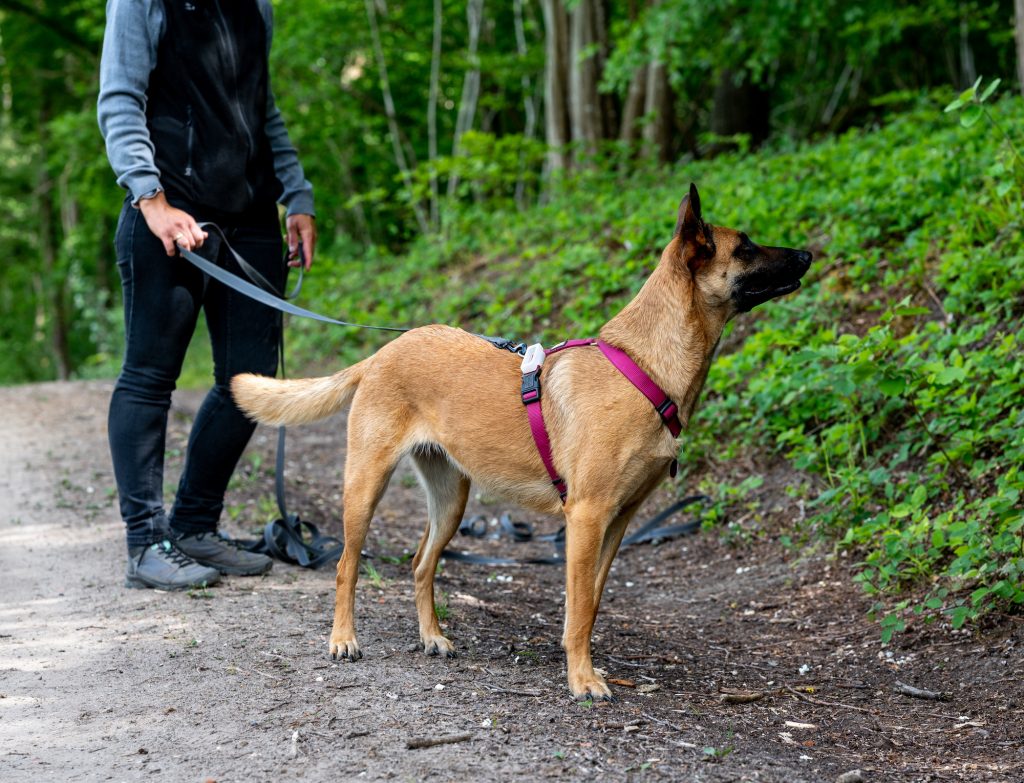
column 206, row 104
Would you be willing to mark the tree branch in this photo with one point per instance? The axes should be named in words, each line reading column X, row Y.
column 53, row 25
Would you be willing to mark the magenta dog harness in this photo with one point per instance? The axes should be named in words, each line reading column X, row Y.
column 531, row 367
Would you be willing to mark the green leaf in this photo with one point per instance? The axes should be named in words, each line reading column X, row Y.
column 958, row 616
column 948, row 375
column 933, row 603
column 892, row 386
column 956, row 104
column 919, row 496
column 989, row 90
column 971, row 115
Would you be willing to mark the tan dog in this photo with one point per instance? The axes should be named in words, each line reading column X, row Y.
column 451, row 402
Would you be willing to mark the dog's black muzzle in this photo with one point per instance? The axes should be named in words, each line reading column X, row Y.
column 779, row 275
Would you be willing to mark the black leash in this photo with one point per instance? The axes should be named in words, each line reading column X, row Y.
column 287, row 538
column 650, row 531
column 293, row 540
column 260, row 289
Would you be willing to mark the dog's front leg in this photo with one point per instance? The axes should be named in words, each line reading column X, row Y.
column 586, row 528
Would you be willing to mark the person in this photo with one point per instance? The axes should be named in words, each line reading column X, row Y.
column 193, row 134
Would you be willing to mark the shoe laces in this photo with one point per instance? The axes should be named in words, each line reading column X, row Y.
column 172, row 553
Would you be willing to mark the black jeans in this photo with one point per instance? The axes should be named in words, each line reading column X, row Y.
column 162, row 299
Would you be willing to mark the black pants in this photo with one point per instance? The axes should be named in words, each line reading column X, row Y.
column 162, row 299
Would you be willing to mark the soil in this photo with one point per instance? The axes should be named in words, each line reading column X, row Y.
column 100, row 682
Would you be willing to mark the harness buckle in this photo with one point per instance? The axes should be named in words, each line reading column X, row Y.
column 668, row 410
column 530, row 390
column 533, row 359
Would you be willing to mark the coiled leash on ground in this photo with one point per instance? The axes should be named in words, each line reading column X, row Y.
column 649, row 531
column 293, row 540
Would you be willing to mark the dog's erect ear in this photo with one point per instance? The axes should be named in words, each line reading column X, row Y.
column 697, row 243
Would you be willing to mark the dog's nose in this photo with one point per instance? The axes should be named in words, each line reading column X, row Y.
column 804, row 257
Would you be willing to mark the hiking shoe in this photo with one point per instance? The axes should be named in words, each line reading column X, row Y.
column 166, row 567
column 220, row 552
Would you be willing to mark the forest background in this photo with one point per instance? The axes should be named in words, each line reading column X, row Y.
column 514, row 167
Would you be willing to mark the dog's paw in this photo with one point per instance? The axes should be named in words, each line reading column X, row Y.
column 345, row 650
column 592, row 688
column 438, row 645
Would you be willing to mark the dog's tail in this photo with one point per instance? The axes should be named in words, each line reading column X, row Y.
column 296, row 401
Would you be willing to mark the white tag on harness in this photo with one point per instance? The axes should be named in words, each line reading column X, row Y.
column 533, row 358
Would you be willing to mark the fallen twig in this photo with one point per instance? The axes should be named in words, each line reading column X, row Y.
column 919, row 693
column 740, row 697
column 429, row 742
column 495, row 689
column 820, row 703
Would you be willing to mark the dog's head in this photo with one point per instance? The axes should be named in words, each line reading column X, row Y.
column 730, row 272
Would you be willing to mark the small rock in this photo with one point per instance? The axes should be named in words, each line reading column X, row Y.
column 853, row 776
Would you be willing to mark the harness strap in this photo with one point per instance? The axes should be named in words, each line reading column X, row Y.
column 665, row 407
column 663, row 404
column 530, row 393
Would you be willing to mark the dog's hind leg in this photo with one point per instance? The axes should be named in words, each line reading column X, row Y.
column 447, row 491
column 367, row 472
column 587, row 529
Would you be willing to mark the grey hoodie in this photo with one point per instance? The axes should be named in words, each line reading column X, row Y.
column 130, row 42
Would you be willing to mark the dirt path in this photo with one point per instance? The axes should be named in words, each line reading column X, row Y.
column 98, row 682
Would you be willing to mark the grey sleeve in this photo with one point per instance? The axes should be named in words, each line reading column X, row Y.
column 133, row 32
column 298, row 192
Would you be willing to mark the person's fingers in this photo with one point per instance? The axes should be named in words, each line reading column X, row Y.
column 198, row 235
column 169, row 247
column 309, row 243
column 183, row 236
column 293, row 243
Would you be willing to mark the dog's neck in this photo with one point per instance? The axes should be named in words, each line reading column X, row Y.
column 667, row 332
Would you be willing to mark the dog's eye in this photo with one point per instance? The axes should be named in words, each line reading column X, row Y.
column 745, row 250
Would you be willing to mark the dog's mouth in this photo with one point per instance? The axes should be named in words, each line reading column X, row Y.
column 747, row 299
column 761, row 286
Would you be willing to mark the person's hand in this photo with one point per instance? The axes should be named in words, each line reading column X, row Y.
column 301, row 228
column 171, row 225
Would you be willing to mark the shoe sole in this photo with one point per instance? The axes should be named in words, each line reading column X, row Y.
column 138, row 583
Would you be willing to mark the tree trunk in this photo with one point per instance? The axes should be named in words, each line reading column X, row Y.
column 657, row 133
column 556, row 66
column 470, row 83
column 435, row 78
column 742, row 107
column 584, row 65
column 633, row 109
column 54, row 284
column 529, row 108
column 968, row 71
column 1018, row 7
column 389, row 111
